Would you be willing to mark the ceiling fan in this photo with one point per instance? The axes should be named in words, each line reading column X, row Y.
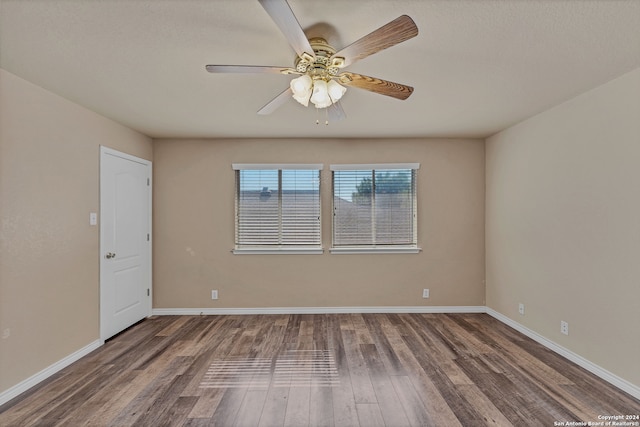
column 319, row 66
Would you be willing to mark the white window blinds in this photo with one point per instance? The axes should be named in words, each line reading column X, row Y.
column 374, row 205
column 277, row 206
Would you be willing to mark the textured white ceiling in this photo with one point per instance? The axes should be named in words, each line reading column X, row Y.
column 477, row 66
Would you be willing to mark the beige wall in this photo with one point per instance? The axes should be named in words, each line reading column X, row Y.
column 563, row 224
column 49, row 278
column 194, row 229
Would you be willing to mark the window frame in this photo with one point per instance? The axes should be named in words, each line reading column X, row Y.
column 285, row 249
column 373, row 248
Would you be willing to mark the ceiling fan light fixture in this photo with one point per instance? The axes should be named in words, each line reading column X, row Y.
column 318, row 91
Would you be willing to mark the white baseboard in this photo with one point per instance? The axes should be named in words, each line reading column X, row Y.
column 611, row 378
column 25, row 385
column 316, row 310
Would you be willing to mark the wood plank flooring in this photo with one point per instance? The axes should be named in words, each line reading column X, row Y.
column 319, row 370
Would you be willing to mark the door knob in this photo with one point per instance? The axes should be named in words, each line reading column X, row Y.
column 110, row 255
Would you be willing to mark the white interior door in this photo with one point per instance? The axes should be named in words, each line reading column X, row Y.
column 125, row 241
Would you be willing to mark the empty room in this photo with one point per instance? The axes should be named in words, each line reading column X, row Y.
column 319, row 213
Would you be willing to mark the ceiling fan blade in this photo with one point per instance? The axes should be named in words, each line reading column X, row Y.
column 400, row 29
column 276, row 102
column 247, row 69
column 283, row 16
column 336, row 112
column 373, row 84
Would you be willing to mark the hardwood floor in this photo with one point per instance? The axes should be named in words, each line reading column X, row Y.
column 319, row 370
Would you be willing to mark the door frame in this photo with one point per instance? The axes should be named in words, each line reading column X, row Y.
column 104, row 151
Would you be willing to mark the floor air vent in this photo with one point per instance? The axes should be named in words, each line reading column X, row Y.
column 291, row 368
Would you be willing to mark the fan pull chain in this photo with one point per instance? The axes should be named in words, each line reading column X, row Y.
column 326, row 113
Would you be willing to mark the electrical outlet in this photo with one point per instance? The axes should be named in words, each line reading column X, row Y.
column 521, row 309
column 564, row 327
column 214, row 294
column 425, row 293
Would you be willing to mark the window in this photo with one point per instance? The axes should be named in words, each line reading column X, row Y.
column 277, row 208
column 374, row 208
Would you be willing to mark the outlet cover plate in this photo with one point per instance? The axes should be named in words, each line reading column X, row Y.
column 521, row 309
column 425, row 293
column 214, row 294
column 564, row 327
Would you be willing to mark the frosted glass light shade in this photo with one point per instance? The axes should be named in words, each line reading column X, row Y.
column 301, row 88
column 335, row 90
column 320, row 96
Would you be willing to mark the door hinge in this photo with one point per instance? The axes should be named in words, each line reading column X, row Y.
column 147, row 237
column 148, row 292
column 148, row 182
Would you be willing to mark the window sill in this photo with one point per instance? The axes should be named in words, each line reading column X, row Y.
column 378, row 250
column 277, row 251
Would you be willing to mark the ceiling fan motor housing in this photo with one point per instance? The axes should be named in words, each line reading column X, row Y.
column 323, row 66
